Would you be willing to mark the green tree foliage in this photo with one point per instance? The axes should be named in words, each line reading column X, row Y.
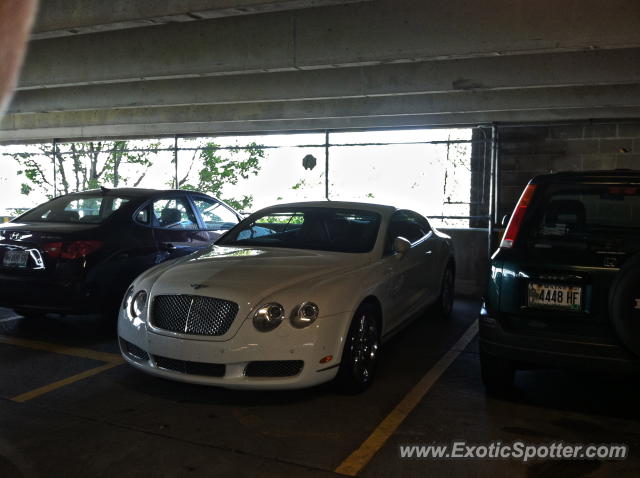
column 218, row 168
column 33, row 172
column 83, row 165
column 88, row 165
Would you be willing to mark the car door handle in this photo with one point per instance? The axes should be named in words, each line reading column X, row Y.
column 167, row 246
column 429, row 253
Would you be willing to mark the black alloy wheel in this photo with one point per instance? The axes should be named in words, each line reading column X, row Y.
column 361, row 351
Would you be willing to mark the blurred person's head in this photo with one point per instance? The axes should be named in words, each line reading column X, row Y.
column 16, row 17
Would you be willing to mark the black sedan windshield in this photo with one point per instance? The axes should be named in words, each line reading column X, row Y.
column 316, row 228
column 76, row 208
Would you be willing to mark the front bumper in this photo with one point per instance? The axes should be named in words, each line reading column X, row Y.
column 554, row 351
column 247, row 346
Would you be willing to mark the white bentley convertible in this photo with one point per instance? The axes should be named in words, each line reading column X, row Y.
column 293, row 296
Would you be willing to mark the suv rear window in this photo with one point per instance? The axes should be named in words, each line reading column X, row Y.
column 595, row 217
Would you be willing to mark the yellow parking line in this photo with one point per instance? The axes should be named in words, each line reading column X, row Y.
column 65, row 381
column 359, row 458
column 112, row 360
column 62, row 349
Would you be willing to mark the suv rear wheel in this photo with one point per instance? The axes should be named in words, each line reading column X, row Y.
column 498, row 373
column 624, row 304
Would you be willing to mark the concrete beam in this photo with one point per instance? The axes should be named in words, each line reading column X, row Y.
column 559, row 103
column 71, row 133
column 58, row 18
column 445, row 103
column 359, row 34
column 479, row 74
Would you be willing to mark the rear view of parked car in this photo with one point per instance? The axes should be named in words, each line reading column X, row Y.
column 78, row 253
column 565, row 284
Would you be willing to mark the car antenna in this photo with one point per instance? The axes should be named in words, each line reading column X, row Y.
column 104, row 190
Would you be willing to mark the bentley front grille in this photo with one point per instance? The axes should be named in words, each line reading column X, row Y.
column 193, row 314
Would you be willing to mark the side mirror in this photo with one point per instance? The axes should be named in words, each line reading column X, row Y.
column 505, row 220
column 401, row 245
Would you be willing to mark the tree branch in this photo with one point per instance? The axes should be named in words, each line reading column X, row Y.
column 40, row 172
column 63, row 174
column 77, row 165
column 186, row 176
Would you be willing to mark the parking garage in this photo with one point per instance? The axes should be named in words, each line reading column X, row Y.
column 446, row 110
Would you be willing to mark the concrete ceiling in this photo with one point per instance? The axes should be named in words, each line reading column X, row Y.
column 125, row 68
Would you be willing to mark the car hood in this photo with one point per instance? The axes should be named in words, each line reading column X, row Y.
column 247, row 275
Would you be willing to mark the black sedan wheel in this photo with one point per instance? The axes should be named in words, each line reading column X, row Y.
column 361, row 351
column 444, row 305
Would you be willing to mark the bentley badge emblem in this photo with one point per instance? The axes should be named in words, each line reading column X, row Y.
column 198, row 286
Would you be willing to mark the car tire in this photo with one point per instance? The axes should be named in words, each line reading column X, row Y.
column 498, row 374
column 444, row 304
column 624, row 304
column 361, row 351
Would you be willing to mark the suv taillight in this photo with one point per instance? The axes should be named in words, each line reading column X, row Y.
column 513, row 228
column 71, row 250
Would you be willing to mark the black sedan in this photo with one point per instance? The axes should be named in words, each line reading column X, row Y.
column 78, row 253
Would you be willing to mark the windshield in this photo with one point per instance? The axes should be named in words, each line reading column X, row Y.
column 316, row 228
column 76, row 209
column 593, row 217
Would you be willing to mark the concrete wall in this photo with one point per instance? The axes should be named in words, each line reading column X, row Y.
column 525, row 151
column 471, row 260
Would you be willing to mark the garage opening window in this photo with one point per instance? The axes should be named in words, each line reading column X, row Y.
column 426, row 170
column 252, row 172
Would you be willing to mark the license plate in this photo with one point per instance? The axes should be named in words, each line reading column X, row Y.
column 15, row 259
column 555, row 296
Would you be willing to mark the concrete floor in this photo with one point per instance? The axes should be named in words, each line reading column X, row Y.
column 120, row 422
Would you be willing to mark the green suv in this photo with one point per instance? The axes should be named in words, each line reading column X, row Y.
column 564, row 289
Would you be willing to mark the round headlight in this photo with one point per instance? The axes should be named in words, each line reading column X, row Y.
column 305, row 315
column 137, row 304
column 268, row 317
column 127, row 298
